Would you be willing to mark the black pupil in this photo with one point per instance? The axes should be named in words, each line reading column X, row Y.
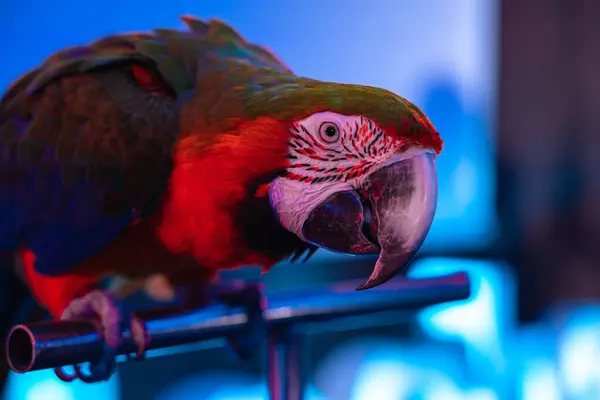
column 330, row 131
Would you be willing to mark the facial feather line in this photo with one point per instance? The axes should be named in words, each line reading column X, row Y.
column 362, row 147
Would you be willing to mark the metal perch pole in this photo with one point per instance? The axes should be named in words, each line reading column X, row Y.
column 287, row 365
column 61, row 343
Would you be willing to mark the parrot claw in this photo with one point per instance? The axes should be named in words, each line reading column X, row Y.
column 105, row 306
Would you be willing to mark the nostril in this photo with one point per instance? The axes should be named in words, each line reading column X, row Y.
column 369, row 225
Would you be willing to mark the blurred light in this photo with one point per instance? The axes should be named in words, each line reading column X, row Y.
column 49, row 390
column 581, row 358
column 394, row 380
column 579, row 353
column 533, row 360
column 479, row 394
column 383, row 379
column 382, row 369
column 44, row 385
column 483, row 318
column 540, row 381
column 257, row 391
column 444, row 389
column 228, row 385
column 481, row 322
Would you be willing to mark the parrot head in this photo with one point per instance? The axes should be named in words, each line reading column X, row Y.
column 360, row 176
column 306, row 163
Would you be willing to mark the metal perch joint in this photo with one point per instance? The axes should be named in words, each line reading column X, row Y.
column 60, row 343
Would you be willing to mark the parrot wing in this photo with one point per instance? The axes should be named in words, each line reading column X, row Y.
column 85, row 143
column 86, row 138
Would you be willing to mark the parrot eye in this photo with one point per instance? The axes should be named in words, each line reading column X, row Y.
column 329, row 132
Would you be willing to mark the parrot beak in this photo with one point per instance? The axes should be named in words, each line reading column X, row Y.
column 389, row 212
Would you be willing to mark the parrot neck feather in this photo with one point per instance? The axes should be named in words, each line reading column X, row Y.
column 211, row 210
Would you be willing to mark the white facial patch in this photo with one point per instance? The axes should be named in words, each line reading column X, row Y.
column 294, row 201
column 328, row 153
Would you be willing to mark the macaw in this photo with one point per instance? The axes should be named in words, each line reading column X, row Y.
column 185, row 152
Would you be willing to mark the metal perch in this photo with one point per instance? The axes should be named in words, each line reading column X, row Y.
column 60, row 343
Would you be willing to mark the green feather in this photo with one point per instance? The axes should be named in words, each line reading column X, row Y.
column 170, row 68
column 231, row 78
column 253, row 77
column 79, row 59
column 195, row 25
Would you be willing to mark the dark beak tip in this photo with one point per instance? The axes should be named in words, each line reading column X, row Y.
column 385, row 272
column 372, row 283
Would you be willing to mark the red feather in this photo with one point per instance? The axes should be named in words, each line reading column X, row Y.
column 150, row 81
column 55, row 292
column 207, row 185
column 194, row 234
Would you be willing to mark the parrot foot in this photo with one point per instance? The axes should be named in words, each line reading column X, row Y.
column 113, row 320
column 236, row 294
